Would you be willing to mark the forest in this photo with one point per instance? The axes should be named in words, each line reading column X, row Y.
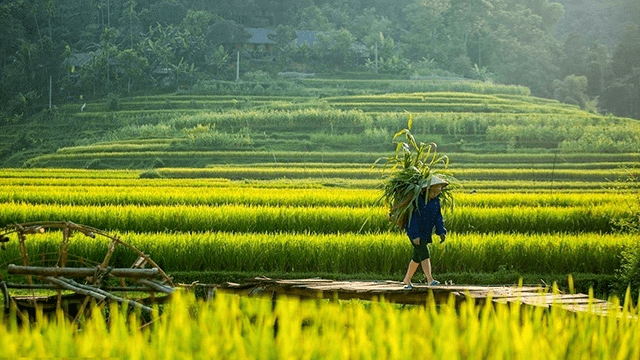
column 580, row 52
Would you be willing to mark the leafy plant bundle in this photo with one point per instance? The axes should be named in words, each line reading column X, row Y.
column 412, row 169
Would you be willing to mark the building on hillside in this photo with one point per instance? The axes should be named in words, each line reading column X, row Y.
column 260, row 39
column 306, row 36
column 263, row 51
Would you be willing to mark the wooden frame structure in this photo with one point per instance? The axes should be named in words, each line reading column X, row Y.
column 59, row 274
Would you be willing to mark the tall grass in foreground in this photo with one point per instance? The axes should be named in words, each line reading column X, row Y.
column 231, row 327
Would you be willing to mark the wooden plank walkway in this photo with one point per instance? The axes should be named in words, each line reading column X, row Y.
column 393, row 291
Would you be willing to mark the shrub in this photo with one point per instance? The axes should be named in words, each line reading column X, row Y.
column 376, row 136
column 150, row 174
column 258, row 90
column 207, row 137
column 94, row 164
column 258, row 76
column 629, row 272
column 157, row 163
column 113, row 102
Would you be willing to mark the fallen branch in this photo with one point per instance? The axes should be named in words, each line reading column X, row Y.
column 80, row 272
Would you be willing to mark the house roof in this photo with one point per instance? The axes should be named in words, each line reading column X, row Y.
column 261, row 36
column 308, row 36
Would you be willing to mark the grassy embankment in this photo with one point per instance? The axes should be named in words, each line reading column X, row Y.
column 325, row 121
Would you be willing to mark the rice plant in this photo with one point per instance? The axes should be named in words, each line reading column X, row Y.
column 214, row 192
column 256, row 328
column 384, row 254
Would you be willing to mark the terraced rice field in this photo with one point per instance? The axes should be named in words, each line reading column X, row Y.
column 221, row 188
column 192, row 222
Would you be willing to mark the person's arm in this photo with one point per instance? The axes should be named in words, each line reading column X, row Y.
column 439, row 222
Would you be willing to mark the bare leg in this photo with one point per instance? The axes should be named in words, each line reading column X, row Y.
column 426, row 268
column 413, row 266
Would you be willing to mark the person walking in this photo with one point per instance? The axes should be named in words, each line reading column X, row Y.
column 425, row 218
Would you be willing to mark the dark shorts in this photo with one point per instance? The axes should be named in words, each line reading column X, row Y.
column 420, row 252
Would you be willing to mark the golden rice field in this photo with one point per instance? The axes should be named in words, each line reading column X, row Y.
column 382, row 254
column 541, row 199
column 215, row 224
column 181, row 192
column 320, row 227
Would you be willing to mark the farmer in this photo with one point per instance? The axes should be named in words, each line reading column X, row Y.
column 419, row 228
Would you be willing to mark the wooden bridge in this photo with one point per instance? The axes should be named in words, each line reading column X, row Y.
column 393, row 291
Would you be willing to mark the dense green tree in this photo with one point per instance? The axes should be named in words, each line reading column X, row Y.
column 575, row 55
column 337, row 14
column 507, row 37
column 226, row 32
column 467, row 21
column 11, row 32
column 519, row 50
column 595, row 78
column 599, row 73
column 335, row 49
column 626, row 56
column 571, row 90
column 139, row 44
column 165, row 13
column 623, row 96
column 132, row 70
column 96, row 77
column 549, row 12
column 374, row 30
column 165, row 48
column 196, row 22
column 218, row 60
column 425, row 31
column 618, row 98
column 312, row 18
column 283, row 36
column 132, row 26
column 197, row 44
column 30, row 54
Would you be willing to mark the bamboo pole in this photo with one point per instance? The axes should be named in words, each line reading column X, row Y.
column 90, row 290
column 5, row 294
column 54, row 287
column 80, row 272
column 75, row 289
column 156, row 286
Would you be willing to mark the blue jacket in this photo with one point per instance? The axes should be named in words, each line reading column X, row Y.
column 424, row 219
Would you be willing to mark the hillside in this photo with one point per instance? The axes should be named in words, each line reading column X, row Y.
column 329, row 121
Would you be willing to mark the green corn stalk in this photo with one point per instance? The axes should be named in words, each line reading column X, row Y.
column 412, row 168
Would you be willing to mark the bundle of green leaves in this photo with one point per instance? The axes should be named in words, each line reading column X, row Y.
column 412, row 169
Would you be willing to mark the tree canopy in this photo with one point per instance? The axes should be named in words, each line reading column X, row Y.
column 131, row 46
